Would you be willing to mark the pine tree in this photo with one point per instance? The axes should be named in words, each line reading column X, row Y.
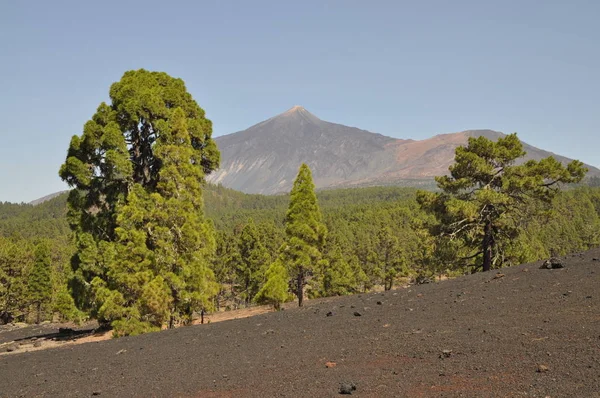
column 305, row 231
column 224, row 265
column 390, row 259
column 142, row 241
column 254, row 260
column 275, row 291
column 40, row 282
column 338, row 276
column 15, row 261
column 487, row 197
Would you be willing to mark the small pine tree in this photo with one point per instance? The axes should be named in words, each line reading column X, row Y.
column 254, row 260
column 275, row 290
column 40, row 283
column 338, row 277
column 389, row 257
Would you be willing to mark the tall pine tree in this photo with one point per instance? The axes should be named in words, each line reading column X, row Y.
column 137, row 207
column 305, row 231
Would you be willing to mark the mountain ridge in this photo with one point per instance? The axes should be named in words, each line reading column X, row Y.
column 265, row 157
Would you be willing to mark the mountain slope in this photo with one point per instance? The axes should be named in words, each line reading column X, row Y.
column 265, row 157
column 481, row 335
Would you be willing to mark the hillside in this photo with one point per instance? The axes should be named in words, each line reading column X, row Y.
column 525, row 332
column 265, row 157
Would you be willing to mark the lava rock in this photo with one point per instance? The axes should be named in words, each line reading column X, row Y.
column 356, row 313
column 542, row 368
column 347, row 388
column 446, row 354
column 329, row 313
column 552, row 263
column 37, row 343
column 12, row 347
column 422, row 279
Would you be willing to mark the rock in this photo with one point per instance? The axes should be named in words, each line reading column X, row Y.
column 446, row 354
column 12, row 347
column 96, row 393
column 121, row 351
column 356, row 313
column 552, row 263
column 330, row 364
column 422, row 279
column 542, row 368
column 499, row 275
column 37, row 343
column 379, row 303
column 329, row 313
column 596, row 259
column 347, row 388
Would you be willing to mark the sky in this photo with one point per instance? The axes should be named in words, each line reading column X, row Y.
column 405, row 69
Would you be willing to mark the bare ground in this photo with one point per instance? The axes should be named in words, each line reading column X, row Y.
column 524, row 333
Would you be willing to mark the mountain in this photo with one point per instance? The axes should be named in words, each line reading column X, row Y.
column 265, row 157
column 46, row 198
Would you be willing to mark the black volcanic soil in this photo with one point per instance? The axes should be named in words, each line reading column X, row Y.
column 496, row 330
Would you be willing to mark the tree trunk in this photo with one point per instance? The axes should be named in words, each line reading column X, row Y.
column 171, row 322
column 300, row 287
column 247, row 293
column 39, row 312
column 487, row 246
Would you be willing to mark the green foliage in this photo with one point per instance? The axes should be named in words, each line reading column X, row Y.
column 355, row 219
column 275, row 291
column 485, row 200
column 337, row 277
column 254, row 260
column 15, row 262
column 389, row 257
column 40, row 283
column 143, row 245
column 305, row 232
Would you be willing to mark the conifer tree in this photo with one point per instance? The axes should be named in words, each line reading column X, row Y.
column 15, row 261
column 338, row 276
column 254, row 260
column 275, row 290
column 137, row 209
column 224, row 265
column 390, row 259
column 40, row 282
column 486, row 197
column 305, row 231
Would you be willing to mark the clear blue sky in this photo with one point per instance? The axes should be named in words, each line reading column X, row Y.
column 408, row 69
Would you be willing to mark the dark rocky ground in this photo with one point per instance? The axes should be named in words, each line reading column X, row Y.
column 528, row 333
